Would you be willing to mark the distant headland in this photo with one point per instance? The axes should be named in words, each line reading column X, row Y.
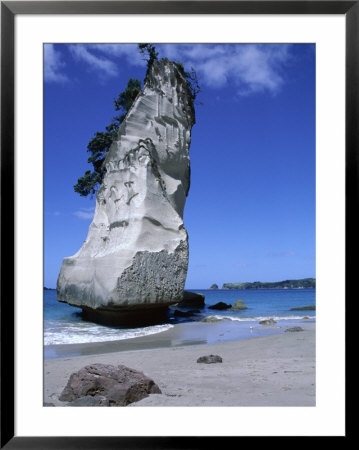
column 304, row 283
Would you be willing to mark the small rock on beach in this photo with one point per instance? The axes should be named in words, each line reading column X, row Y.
column 209, row 359
column 293, row 329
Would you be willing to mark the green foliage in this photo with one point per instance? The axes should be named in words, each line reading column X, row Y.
column 192, row 83
column 100, row 144
column 88, row 183
column 149, row 53
column 191, row 79
column 125, row 100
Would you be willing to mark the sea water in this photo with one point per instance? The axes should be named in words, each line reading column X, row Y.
column 63, row 324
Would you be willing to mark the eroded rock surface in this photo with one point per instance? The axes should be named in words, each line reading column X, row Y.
column 135, row 256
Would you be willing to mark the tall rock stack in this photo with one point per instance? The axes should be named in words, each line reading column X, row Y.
column 133, row 263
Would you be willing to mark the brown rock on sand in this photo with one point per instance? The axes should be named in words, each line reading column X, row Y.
column 119, row 384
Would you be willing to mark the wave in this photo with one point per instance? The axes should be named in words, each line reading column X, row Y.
column 81, row 333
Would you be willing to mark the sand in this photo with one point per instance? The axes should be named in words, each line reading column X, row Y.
column 274, row 370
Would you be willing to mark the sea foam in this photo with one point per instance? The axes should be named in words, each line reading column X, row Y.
column 260, row 318
column 81, row 333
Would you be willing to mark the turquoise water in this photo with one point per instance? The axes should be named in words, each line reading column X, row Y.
column 262, row 303
column 63, row 324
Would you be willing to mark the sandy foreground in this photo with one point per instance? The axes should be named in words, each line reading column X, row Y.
column 275, row 370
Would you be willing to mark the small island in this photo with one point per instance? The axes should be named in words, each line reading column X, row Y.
column 304, row 283
column 214, row 286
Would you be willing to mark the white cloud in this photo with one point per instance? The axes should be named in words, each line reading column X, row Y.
column 250, row 67
column 53, row 64
column 84, row 213
column 129, row 51
column 260, row 66
column 102, row 65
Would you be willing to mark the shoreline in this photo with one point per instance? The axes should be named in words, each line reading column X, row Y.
column 179, row 334
column 263, row 370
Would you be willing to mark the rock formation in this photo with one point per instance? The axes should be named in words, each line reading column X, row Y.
column 192, row 299
column 214, row 319
column 239, row 305
column 220, row 306
column 135, row 257
column 178, row 313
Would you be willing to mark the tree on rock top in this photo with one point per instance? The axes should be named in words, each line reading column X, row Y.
column 149, row 53
column 100, row 144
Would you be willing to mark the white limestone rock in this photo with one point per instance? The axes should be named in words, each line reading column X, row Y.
column 135, row 256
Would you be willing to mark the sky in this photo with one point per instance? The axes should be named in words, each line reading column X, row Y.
column 250, row 211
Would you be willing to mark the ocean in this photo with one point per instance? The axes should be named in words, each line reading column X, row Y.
column 63, row 324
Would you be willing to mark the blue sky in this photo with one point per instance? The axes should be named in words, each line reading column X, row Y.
column 250, row 212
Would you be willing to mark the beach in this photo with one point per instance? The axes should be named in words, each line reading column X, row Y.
column 271, row 368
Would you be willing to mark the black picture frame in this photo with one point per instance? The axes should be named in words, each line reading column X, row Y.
column 9, row 9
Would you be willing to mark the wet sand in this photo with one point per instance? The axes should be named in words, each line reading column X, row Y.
column 266, row 370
